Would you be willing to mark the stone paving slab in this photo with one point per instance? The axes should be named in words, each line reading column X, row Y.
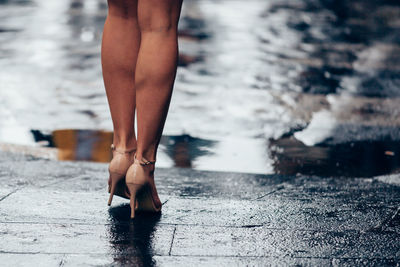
column 356, row 190
column 238, row 261
column 275, row 212
column 84, row 176
column 17, row 172
column 261, row 241
column 22, row 259
column 45, row 238
column 267, row 261
column 48, row 205
column 78, row 260
column 55, row 213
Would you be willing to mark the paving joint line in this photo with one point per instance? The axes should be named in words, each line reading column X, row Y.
column 9, row 194
column 384, row 223
column 165, row 202
column 62, row 261
column 270, row 193
column 172, row 241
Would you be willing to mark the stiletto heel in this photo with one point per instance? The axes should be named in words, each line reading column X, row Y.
column 119, row 165
column 133, row 189
column 111, row 191
column 141, row 186
column 115, row 178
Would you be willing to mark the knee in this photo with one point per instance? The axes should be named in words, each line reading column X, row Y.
column 126, row 9
column 159, row 16
column 156, row 25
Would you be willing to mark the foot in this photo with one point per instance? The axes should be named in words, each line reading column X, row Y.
column 122, row 159
column 142, row 172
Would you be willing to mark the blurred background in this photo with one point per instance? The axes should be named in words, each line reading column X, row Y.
column 263, row 86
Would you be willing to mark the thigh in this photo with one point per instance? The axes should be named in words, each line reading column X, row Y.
column 158, row 15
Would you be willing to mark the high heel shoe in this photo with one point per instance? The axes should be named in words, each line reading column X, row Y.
column 140, row 182
column 118, row 167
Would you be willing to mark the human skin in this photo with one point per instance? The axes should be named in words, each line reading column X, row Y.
column 139, row 61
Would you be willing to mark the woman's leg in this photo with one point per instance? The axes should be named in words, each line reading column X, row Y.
column 156, row 69
column 120, row 46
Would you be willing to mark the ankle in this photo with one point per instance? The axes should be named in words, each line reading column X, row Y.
column 144, row 156
column 124, row 144
column 123, row 148
column 126, row 152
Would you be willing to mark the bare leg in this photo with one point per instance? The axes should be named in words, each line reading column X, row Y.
column 156, row 70
column 120, row 46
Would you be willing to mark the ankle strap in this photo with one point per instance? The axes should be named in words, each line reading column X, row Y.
column 113, row 148
column 144, row 161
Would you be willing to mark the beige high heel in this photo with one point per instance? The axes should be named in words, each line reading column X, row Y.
column 141, row 186
column 118, row 167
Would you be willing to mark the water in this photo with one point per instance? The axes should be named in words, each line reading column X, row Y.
column 251, row 74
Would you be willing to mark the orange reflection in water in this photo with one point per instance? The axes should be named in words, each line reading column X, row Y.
column 90, row 145
column 94, row 145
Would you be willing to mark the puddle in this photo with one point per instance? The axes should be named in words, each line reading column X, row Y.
column 288, row 155
column 182, row 151
column 351, row 159
column 94, row 145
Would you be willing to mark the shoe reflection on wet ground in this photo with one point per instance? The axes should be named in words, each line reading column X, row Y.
column 131, row 239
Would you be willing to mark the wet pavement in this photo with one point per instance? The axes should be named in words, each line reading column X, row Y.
column 54, row 213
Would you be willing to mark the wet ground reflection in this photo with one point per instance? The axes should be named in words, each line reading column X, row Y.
column 290, row 156
column 93, row 145
column 83, row 145
column 185, row 149
column 353, row 159
column 182, row 151
column 131, row 240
